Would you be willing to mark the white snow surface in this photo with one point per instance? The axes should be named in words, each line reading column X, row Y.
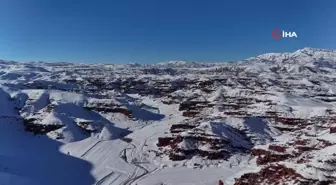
column 100, row 147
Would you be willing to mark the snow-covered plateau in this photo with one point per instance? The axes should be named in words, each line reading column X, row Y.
column 266, row 120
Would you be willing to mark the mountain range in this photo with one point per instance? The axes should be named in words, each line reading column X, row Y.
column 269, row 119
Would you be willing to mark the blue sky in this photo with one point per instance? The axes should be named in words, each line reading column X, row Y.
column 147, row 31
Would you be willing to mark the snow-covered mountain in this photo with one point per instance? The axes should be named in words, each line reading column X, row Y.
column 182, row 64
column 269, row 119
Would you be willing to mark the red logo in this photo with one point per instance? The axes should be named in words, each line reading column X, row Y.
column 276, row 33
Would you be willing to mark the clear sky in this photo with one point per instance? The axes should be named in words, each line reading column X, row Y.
column 147, row 31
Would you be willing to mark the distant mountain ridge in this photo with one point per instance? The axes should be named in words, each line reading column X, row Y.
column 301, row 56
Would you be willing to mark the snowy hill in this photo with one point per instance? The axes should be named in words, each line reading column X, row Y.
column 269, row 119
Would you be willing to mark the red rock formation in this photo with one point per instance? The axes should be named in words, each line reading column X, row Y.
column 332, row 130
column 279, row 174
column 269, row 175
column 212, row 155
column 301, row 142
column 164, row 141
column 270, row 158
column 277, row 148
column 265, row 157
column 181, row 127
column 258, row 152
column 302, row 149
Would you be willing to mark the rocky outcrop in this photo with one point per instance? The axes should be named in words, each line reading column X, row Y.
column 195, row 138
column 31, row 126
column 266, row 157
column 277, row 148
column 190, row 114
column 277, row 174
column 108, row 107
column 332, row 130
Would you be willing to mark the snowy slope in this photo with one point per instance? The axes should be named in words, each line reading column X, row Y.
column 269, row 119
